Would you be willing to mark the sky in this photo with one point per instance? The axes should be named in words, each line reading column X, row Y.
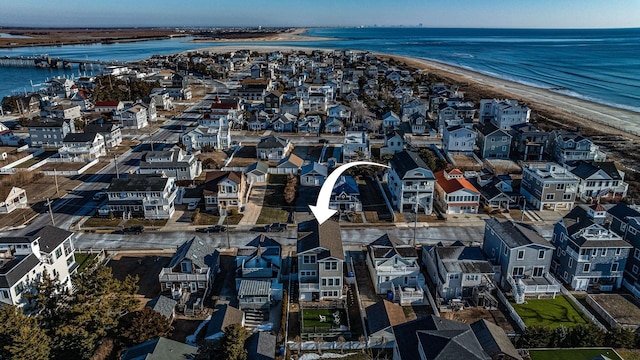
column 311, row 13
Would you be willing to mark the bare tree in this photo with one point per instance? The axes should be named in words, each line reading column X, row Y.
column 342, row 342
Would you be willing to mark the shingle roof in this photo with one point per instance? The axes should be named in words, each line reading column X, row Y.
column 80, row 137
column 15, row 269
column 622, row 211
column 291, row 161
column 51, row 237
column 517, row 234
column 315, row 167
column 388, row 245
column 326, row 236
column 258, row 167
column 161, row 349
column 345, row 184
column 450, row 344
column 586, row 169
column 271, row 142
column 222, row 317
column 135, row 182
column 577, row 221
column 254, row 288
column 384, row 314
column 201, row 253
column 163, row 305
column 100, row 128
column 493, row 340
column 405, row 161
column 261, row 346
column 263, row 241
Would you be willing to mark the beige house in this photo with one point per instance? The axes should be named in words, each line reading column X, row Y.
column 12, row 198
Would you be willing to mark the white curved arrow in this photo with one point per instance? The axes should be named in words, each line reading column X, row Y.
column 321, row 210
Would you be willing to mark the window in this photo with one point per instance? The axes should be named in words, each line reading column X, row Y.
column 586, row 267
column 58, row 252
column 603, row 252
column 307, row 273
column 570, row 262
column 538, row 271
column 520, row 254
column 506, row 249
column 546, row 185
column 566, row 196
column 331, row 265
column 614, row 267
column 636, row 253
column 540, row 254
column 634, row 269
column 618, row 251
column 550, row 196
column 518, row 271
column 4, row 294
column 633, row 230
column 308, row 259
column 560, row 186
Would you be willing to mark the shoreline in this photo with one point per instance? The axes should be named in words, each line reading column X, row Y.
column 551, row 106
column 296, row 35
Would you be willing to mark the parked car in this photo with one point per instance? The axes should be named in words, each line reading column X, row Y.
column 192, row 205
column 323, row 141
column 136, row 229
column 214, row 228
column 99, row 196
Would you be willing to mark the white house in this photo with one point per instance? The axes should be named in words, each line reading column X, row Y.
column 313, row 174
column 173, row 163
column 83, row 146
column 23, row 259
column 393, row 264
column 390, row 120
column 356, row 146
column 503, row 113
column 148, row 196
column 111, row 133
column 394, row 142
column 134, row 117
column 213, row 137
column 458, row 139
column 411, row 183
column 12, row 198
column 455, row 194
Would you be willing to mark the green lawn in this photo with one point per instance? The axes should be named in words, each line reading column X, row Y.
column 312, row 317
column 550, row 312
column 572, row 354
column 273, row 207
column 83, row 260
column 101, row 222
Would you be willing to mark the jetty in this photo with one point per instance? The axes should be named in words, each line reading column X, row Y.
column 47, row 62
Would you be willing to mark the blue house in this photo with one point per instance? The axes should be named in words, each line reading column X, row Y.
column 458, row 139
column 588, row 255
column 493, row 142
column 625, row 221
column 345, row 195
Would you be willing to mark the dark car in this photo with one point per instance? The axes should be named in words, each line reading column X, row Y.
column 275, row 227
column 214, row 228
column 323, row 141
column 137, row 229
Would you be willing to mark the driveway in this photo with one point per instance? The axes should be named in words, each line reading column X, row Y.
column 253, row 206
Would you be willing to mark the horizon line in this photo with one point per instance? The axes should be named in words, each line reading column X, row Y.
column 26, row 27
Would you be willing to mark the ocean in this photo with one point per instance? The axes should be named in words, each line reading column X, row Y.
column 599, row 65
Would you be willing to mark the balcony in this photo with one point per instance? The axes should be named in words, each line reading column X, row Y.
column 308, row 287
column 408, row 295
column 425, row 188
column 399, row 271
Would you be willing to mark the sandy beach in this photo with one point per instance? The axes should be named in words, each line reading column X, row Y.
column 290, row 36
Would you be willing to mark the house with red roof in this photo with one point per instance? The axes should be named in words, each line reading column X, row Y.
column 454, row 194
column 108, row 106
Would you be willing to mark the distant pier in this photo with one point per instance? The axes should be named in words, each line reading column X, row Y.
column 46, row 62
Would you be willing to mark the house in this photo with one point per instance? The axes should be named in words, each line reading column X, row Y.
column 458, row 139
column 381, row 318
column 320, row 261
column 333, row 126
column 23, row 259
column 12, row 198
column 161, row 349
column 259, row 120
column 273, row 148
column 272, row 101
column 390, row 120
column 625, row 221
column 433, row 338
column 148, row 196
column 82, row 100
column 356, row 146
column 503, row 113
column 496, row 191
column 224, row 191
column 523, row 255
column 108, row 106
column 8, row 138
column 175, row 163
column 64, row 111
column 261, row 345
column 548, row 186
column 528, row 142
column 284, row 123
column 454, row 194
column 419, row 124
column 133, row 117
column 254, row 294
column 191, row 270
column 600, row 180
column 310, row 124
column 395, row 270
column 588, row 255
column 494, row 341
column 455, row 112
column 82, row 146
column 318, row 101
column 340, row 111
column 458, row 271
column 289, row 165
column 411, row 108
column 411, row 183
column 111, row 133
column 223, row 316
column 253, row 89
column 313, row 174
column 493, row 142
column 394, row 142
column 203, row 137
column 257, row 173
column 568, row 146
column 345, row 195
column 291, row 106
column 260, row 259
column 164, row 306
column 49, row 132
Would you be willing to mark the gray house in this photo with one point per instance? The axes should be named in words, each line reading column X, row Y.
column 493, row 142
column 523, row 255
column 625, row 221
column 588, row 255
column 528, row 142
column 273, row 148
column 548, row 186
column 320, row 261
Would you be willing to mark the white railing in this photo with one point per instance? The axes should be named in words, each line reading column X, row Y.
column 308, row 287
column 514, row 315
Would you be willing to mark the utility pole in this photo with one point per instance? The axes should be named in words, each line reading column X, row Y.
column 55, row 177
column 53, row 221
column 524, row 206
column 226, row 221
column 115, row 161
